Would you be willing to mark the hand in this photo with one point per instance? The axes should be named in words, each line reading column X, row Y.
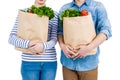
column 36, row 48
column 83, row 51
column 68, row 51
column 33, row 43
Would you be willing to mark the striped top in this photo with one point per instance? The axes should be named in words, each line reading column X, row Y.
column 50, row 52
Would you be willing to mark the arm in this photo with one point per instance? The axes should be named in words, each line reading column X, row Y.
column 83, row 50
column 16, row 41
column 99, row 39
column 68, row 51
column 103, row 27
column 103, row 30
column 52, row 38
column 53, row 33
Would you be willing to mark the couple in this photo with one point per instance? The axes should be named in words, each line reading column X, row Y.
column 78, row 67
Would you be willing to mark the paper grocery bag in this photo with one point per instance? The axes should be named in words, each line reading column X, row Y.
column 32, row 27
column 79, row 31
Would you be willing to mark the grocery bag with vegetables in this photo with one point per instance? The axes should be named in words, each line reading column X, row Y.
column 78, row 28
column 33, row 24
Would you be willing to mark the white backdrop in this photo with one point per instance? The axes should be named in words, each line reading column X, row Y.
column 10, row 59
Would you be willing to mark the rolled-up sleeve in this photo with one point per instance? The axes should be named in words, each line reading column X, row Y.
column 103, row 25
column 60, row 31
column 60, row 28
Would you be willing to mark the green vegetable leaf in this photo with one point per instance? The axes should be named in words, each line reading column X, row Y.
column 42, row 11
column 68, row 13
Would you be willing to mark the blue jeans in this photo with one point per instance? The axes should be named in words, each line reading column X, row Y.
column 38, row 70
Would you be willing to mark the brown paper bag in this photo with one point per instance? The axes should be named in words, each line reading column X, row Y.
column 32, row 27
column 79, row 31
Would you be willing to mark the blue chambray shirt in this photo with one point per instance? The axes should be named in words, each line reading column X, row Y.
column 101, row 23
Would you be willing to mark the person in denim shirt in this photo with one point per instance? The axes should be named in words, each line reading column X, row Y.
column 82, row 66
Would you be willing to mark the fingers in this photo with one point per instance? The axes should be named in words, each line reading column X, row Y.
column 78, row 55
column 70, row 48
column 32, row 43
column 34, row 50
column 68, row 54
column 71, row 53
column 36, row 47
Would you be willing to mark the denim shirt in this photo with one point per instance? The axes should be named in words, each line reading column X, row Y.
column 101, row 23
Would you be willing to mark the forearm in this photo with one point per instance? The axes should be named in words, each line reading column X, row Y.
column 60, row 40
column 99, row 39
column 15, row 40
column 18, row 42
column 53, row 38
column 50, row 44
column 53, row 25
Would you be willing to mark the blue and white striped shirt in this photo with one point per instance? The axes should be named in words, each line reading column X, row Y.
column 49, row 46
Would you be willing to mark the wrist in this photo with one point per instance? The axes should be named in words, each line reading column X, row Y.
column 62, row 45
column 44, row 46
column 90, row 47
column 29, row 44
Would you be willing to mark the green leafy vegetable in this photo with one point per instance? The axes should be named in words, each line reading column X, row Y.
column 42, row 11
column 68, row 13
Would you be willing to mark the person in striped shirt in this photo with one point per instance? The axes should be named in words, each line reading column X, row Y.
column 41, row 66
